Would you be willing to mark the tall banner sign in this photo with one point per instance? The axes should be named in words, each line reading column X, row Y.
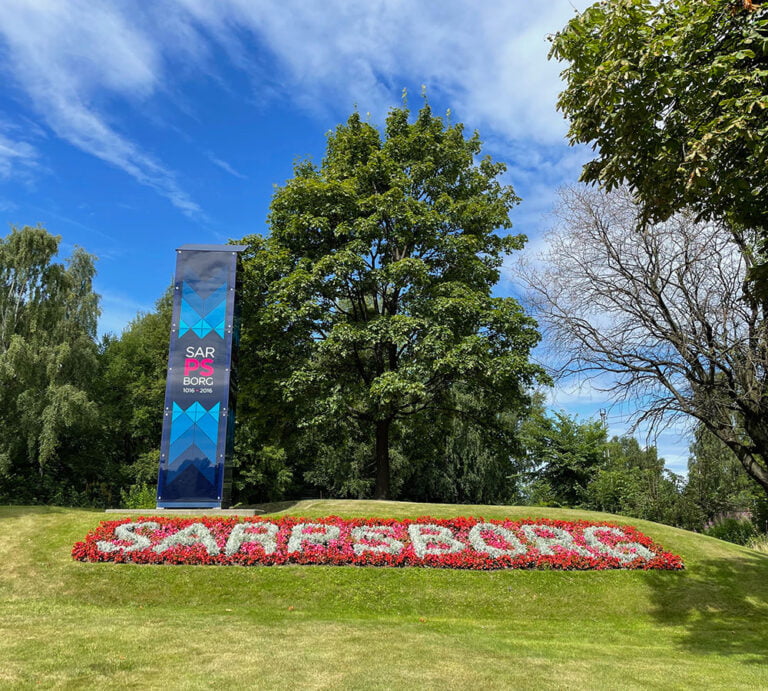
column 199, row 419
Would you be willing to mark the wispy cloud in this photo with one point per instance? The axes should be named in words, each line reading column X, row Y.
column 70, row 59
column 76, row 60
column 47, row 213
column 17, row 158
column 489, row 59
column 585, row 400
column 226, row 167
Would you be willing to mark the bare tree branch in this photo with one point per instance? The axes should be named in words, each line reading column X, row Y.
column 666, row 309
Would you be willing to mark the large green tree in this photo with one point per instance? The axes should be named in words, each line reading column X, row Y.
column 375, row 283
column 673, row 96
column 563, row 455
column 469, row 454
column 48, row 357
column 571, row 462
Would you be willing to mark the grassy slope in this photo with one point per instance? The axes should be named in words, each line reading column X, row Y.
column 68, row 624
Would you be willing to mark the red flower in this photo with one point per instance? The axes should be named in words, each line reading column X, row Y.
column 458, row 543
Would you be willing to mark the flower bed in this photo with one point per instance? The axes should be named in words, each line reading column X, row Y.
column 457, row 543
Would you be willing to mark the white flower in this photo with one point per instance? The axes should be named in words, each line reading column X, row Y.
column 428, row 539
column 246, row 533
column 387, row 544
column 299, row 537
column 623, row 551
column 193, row 534
column 562, row 538
column 127, row 532
column 480, row 545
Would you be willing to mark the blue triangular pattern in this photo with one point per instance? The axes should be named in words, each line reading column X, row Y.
column 193, row 437
column 189, row 485
column 188, row 316
column 217, row 296
column 217, row 314
column 209, row 424
column 180, row 425
column 195, row 411
column 207, row 280
column 202, row 316
column 183, row 441
column 194, row 426
column 193, row 300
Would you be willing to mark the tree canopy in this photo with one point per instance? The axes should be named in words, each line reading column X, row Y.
column 48, row 356
column 375, row 282
column 673, row 96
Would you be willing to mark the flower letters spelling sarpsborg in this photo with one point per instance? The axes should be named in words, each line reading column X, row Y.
column 459, row 543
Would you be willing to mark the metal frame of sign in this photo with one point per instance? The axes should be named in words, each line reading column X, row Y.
column 198, row 419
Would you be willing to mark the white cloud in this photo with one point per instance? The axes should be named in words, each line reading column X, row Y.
column 71, row 58
column 75, row 59
column 226, row 167
column 489, row 58
column 576, row 393
column 17, row 158
column 583, row 398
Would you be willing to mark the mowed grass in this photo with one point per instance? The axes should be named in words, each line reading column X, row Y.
column 67, row 624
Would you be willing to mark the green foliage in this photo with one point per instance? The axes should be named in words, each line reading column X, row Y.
column 466, row 455
column 759, row 543
column 132, row 390
column 732, row 530
column 370, row 302
column 260, row 472
column 572, row 463
column 564, row 454
column 634, row 482
column 674, row 96
column 139, row 497
column 717, row 482
column 48, row 356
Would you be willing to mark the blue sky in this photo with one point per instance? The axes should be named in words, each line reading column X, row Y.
column 130, row 128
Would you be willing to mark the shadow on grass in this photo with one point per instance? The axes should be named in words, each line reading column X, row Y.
column 272, row 507
column 721, row 604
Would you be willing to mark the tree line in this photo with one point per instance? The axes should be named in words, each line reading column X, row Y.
column 92, row 437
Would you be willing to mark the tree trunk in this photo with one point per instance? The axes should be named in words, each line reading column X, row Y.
column 750, row 456
column 752, row 466
column 382, row 460
column 754, row 458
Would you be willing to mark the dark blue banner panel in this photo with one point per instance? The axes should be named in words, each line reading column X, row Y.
column 198, row 421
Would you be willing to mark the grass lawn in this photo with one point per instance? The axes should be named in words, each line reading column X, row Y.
column 70, row 624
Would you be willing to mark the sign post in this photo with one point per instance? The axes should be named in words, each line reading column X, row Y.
column 198, row 419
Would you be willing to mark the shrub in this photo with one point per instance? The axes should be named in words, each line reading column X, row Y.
column 139, row 497
column 732, row 530
column 759, row 543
